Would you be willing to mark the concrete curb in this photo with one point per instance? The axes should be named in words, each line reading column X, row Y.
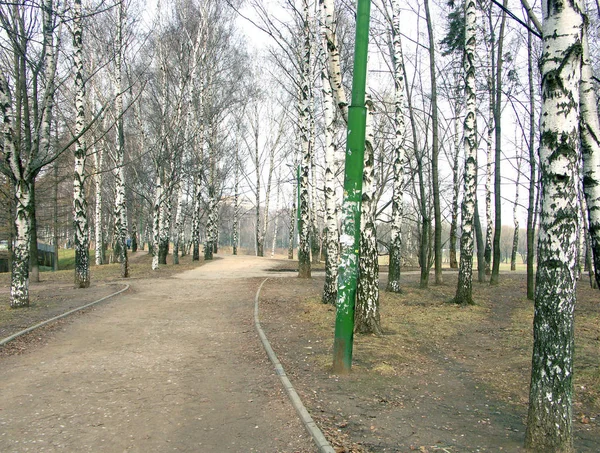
column 29, row 329
column 309, row 424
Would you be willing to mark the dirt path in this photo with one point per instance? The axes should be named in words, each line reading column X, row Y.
column 176, row 366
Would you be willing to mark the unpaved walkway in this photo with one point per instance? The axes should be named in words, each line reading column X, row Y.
column 171, row 365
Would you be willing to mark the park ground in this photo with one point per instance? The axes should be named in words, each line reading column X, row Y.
column 441, row 379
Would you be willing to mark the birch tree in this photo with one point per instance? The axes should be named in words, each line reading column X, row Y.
column 304, row 267
column 27, row 106
column 120, row 201
column 366, row 313
column 331, row 228
column 513, row 255
column 464, row 288
column 80, row 221
column 398, row 154
column 549, row 420
column 590, row 147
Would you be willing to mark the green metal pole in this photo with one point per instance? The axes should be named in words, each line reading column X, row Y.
column 349, row 240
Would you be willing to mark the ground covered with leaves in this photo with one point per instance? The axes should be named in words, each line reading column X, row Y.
column 442, row 378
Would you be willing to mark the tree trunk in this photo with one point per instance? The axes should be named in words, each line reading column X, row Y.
column 210, row 224
column 120, row 202
column 291, row 231
column 480, row 245
column 80, row 221
column 549, row 420
column 488, row 170
column 19, row 289
column 532, row 173
column 196, row 218
column 498, row 152
column 156, row 213
column 54, row 217
column 333, row 59
column 366, row 313
column 98, row 223
column 395, row 248
column 455, row 188
column 515, row 246
column 331, row 227
column 178, row 224
column 236, row 201
column 164, row 227
column 435, row 152
column 464, row 290
column 304, row 270
column 34, row 265
column 590, row 147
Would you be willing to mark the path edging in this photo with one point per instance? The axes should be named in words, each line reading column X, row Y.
column 309, row 424
column 43, row 323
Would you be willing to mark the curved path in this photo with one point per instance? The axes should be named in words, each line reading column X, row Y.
column 171, row 365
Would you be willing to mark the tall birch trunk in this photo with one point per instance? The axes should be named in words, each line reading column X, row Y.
column 399, row 130
column 464, row 290
column 515, row 246
column 366, row 314
column 120, row 201
column 164, row 226
column 489, row 221
column 259, row 239
column 80, row 221
column 178, row 234
column 331, row 238
column 98, row 222
column 211, row 236
column 236, row 201
column 292, row 231
column 196, row 219
column 276, row 220
column 455, row 190
column 156, row 213
column 590, row 147
column 549, row 420
column 333, row 58
column 304, row 266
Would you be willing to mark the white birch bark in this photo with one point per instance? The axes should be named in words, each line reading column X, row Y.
column 19, row 287
column 366, row 314
column 331, row 245
column 120, row 201
column 395, row 262
column 156, row 214
column 80, row 221
column 196, row 218
column 99, row 237
column 236, row 201
column 333, row 58
column 304, row 267
column 276, row 220
column 178, row 234
column 590, row 148
column 549, row 421
column 515, row 246
column 455, row 188
column 465, row 273
column 488, row 177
